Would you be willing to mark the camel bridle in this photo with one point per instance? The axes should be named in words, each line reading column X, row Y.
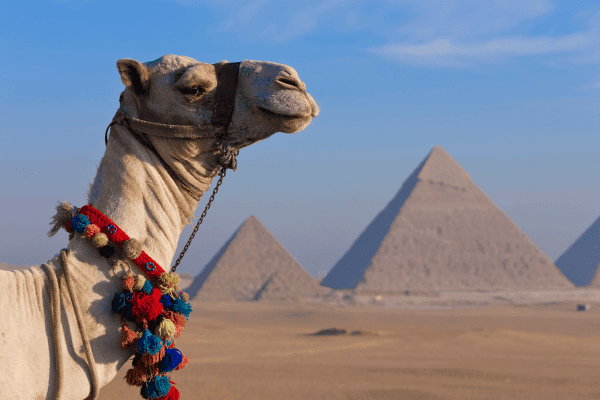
column 227, row 81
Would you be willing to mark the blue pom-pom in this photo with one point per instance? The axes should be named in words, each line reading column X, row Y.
column 120, row 301
column 156, row 388
column 181, row 306
column 170, row 361
column 128, row 311
column 165, row 300
column 149, row 343
column 148, row 286
column 79, row 222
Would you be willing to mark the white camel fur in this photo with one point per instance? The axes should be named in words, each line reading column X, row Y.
column 133, row 189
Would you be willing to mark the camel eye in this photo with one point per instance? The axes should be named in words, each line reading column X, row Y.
column 194, row 90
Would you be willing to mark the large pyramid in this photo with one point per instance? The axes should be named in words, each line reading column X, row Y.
column 253, row 265
column 442, row 233
column 580, row 261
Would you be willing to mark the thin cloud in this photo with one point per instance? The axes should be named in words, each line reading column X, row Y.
column 279, row 21
column 593, row 85
column 449, row 53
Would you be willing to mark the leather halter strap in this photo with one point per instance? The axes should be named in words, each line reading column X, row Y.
column 224, row 103
column 225, row 94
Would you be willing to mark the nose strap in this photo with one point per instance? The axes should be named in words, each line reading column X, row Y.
column 225, row 94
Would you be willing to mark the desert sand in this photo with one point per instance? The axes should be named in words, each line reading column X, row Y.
column 488, row 346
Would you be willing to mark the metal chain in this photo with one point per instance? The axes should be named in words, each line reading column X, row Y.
column 222, row 173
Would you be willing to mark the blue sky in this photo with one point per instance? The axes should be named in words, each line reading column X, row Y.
column 510, row 89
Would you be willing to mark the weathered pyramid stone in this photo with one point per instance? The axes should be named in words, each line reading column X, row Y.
column 580, row 261
column 253, row 265
column 442, row 233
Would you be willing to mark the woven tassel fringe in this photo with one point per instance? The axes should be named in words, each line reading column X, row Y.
column 64, row 212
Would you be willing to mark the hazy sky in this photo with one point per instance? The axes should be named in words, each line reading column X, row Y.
column 510, row 89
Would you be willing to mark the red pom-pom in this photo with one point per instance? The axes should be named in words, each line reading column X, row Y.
column 147, row 306
column 172, row 395
column 68, row 226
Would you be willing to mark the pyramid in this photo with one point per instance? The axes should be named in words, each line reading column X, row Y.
column 440, row 232
column 253, row 265
column 580, row 261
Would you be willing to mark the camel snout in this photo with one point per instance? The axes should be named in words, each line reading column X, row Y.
column 291, row 83
column 313, row 105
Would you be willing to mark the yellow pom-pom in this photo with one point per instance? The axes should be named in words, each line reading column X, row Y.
column 139, row 282
column 100, row 240
column 169, row 283
column 166, row 329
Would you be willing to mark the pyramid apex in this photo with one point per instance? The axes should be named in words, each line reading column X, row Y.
column 440, row 167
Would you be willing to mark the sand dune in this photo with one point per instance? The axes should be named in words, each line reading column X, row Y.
column 255, row 350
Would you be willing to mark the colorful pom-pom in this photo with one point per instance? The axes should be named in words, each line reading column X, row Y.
column 120, row 302
column 181, row 306
column 165, row 300
column 147, row 306
column 178, row 320
column 172, row 395
column 127, row 311
column 107, row 251
column 132, row 248
column 129, row 283
column 150, row 359
column 170, row 361
column 156, row 388
column 100, row 240
column 91, row 230
column 79, row 222
column 147, row 287
column 128, row 337
column 184, row 361
column 166, row 329
column 169, row 283
column 149, row 343
column 135, row 377
column 68, row 227
column 140, row 280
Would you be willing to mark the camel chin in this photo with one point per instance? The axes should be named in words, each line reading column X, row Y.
column 286, row 123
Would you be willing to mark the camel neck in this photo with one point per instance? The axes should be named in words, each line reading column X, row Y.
column 133, row 188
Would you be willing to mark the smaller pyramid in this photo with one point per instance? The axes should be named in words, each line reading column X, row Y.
column 580, row 261
column 253, row 265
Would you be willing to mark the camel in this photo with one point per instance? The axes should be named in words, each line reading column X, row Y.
column 150, row 199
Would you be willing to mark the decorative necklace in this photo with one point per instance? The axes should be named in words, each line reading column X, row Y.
column 157, row 304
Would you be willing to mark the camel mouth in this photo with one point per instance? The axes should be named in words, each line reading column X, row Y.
column 282, row 116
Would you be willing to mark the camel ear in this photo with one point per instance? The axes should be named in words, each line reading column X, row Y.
column 134, row 75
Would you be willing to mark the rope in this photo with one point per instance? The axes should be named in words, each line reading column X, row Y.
column 55, row 309
column 56, row 314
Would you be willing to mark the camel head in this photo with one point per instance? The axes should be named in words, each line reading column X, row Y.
column 179, row 90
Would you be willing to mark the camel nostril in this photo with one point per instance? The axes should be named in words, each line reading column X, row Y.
column 291, row 83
